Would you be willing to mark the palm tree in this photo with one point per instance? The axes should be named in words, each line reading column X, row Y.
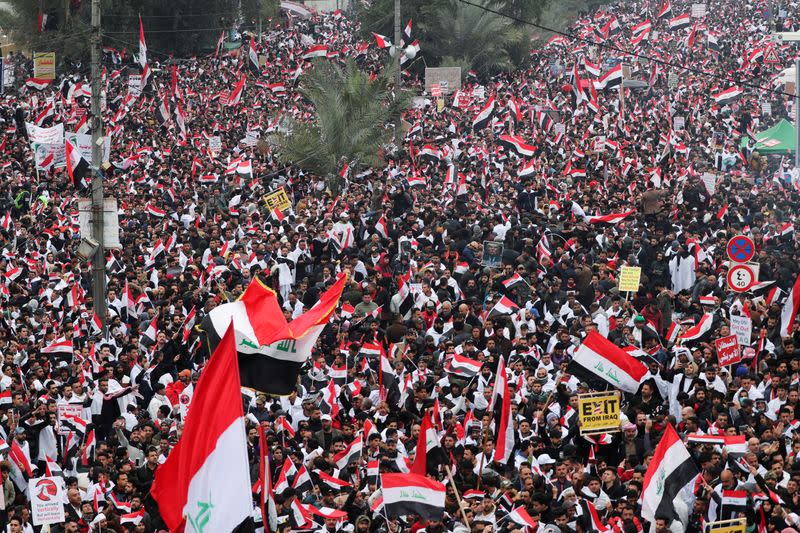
column 469, row 36
column 351, row 123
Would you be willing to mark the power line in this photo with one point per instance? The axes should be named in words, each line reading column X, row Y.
column 148, row 32
column 628, row 52
column 171, row 16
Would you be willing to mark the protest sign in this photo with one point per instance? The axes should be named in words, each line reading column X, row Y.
column 447, row 78
column 49, row 155
column 135, row 84
column 51, row 135
column 68, row 409
column 83, row 142
column 278, row 199
column 728, row 351
column 736, row 525
column 47, row 500
column 598, row 412
column 629, row 278
column 492, row 254
column 742, row 327
column 44, row 65
column 215, row 144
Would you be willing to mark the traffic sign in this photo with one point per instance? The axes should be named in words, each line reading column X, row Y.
column 771, row 55
column 741, row 248
column 740, row 278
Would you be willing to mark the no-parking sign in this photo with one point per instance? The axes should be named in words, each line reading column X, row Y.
column 741, row 248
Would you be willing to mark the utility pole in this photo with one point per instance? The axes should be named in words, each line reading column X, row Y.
column 797, row 115
column 99, row 260
column 398, row 50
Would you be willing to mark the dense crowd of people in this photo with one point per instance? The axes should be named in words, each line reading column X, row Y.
column 656, row 175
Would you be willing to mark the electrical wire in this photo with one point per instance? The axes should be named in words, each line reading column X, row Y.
column 190, row 30
column 628, row 52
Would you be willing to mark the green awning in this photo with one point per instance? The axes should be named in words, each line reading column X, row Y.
column 777, row 140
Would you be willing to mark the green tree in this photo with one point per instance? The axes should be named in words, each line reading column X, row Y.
column 177, row 27
column 468, row 36
column 351, row 123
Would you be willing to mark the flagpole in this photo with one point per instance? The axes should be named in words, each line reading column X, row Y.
column 458, row 497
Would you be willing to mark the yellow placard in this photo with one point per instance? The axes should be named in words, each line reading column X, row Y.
column 737, row 525
column 599, row 412
column 44, row 65
column 629, row 278
column 278, row 199
column 439, row 105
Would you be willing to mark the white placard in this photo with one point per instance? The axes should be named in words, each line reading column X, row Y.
column 672, row 80
column 135, row 84
column 766, row 108
column 41, row 153
column 251, row 138
column 479, row 92
column 678, row 123
column 52, row 135
column 71, row 409
column 215, row 144
column 742, row 327
column 83, row 142
column 698, row 11
column 710, row 181
column 47, row 500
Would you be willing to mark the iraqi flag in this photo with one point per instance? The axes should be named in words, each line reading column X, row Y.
column 790, row 308
column 528, row 169
column 504, row 306
column 727, row 96
column 381, row 41
column 142, row 45
column 205, row 481
column 37, row 83
column 150, row 335
column 680, row 22
column 609, row 219
column 665, row 11
column 427, row 442
column 62, row 347
column 271, row 351
column 405, row 494
column 484, row 116
column 349, row 455
column 253, row 57
column 318, row 50
column 610, row 363
column 236, row 94
column 77, row 166
column 504, row 436
column 517, row 145
column 521, row 517
column 669, row 471
column 611, row 79
column 702, row 327
column 381, row 228
column 463, row 366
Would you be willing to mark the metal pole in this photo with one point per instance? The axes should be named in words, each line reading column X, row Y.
column 99, row 261
column 770, row 16
column 397, row 77
column 797, row 114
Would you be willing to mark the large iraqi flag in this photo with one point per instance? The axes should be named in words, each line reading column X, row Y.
column 271, row 351
column 609, row 362
column 405, row 494
column 670, row 470
column 205, row 483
